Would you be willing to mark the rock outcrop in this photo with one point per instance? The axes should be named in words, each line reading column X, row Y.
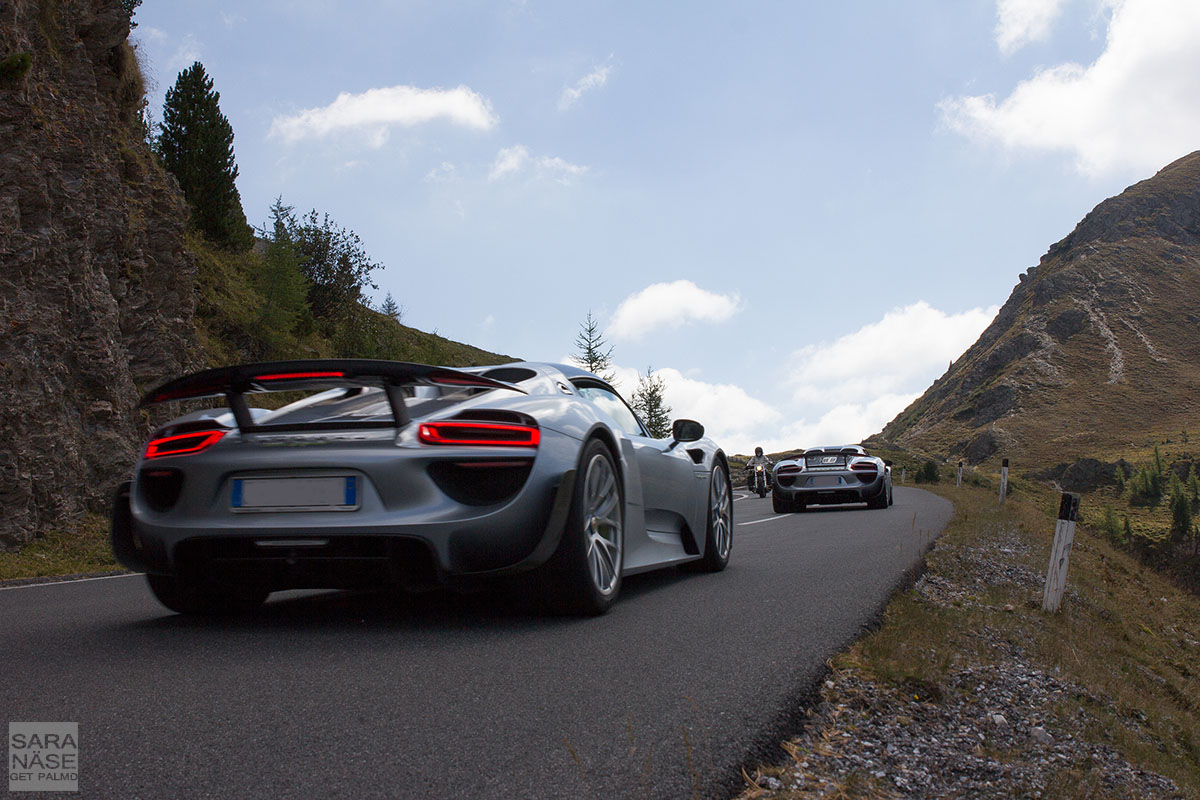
column 96, row 288
column 1097, row 348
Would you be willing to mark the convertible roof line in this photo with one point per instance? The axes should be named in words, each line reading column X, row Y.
column 277, row 376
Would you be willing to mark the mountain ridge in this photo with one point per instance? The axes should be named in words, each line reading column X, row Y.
column 1085, row 357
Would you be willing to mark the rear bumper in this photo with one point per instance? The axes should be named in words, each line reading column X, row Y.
column 405, row 531
column 819, row 488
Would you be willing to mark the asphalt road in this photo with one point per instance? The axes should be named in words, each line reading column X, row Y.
column 356, row 695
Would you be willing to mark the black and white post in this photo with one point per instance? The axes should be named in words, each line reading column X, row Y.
column 1003, row 481
column 1064, row 537
column 959, row 484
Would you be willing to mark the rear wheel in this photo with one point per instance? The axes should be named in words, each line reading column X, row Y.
column 718, row 537
column 189, row 597
column 780, row 505
column 584, row 576
column 880, row 500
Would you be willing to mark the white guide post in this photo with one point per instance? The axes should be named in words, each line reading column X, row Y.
column 1064, row 536
column 903, row 470
column 1003, row 481
column 959, row 484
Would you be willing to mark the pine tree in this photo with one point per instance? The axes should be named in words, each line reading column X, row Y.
column 391, row 308
column 282, row 285
column 1181, row 511
column 196, row 146
column 649, row 402
column 592, row 353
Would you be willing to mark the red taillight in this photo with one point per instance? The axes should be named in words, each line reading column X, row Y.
column 864, row 467
column 479, row 433
column 790, row 469
column 183, row 444
column 295, row 376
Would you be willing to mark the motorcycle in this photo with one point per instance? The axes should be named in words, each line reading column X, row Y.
column 759, row 481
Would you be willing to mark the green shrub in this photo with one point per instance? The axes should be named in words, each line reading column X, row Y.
column 928, row 473
column 15, row 67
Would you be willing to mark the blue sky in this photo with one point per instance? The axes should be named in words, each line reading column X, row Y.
column 798, row 212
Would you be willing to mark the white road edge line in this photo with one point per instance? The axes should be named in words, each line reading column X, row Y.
column 756, row 521
column 72, row 580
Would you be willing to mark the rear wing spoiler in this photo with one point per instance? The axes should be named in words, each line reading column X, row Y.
column 234, row 383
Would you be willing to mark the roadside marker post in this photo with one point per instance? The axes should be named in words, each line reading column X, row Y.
column 903, row 470
column 1060, row 555
column 1003, row 481
column 959, row 484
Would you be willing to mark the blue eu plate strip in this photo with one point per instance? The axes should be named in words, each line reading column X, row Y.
column 351, row 492
column 237, row 493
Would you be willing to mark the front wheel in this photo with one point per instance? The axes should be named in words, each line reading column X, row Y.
column 718, row 536
column 584, row 576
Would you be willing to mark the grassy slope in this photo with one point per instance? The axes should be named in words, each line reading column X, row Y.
column 1125, row 634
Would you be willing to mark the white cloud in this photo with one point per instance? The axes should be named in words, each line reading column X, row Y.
column 1136, row 108
column 1019, row 22
column 186, row 54
column 375, row 111
column 232, row 20
column 442, row 173
column 846, row 423
column 508, row 161
column 511, row 161
column 898, row 355
column 670, row 305
column 593, row 80
column 835, row 392
column 729, row 414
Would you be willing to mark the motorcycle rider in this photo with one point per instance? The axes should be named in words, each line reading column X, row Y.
column 754, row 461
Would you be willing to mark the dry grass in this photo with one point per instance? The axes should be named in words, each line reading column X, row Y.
column 77, row 549
column 1126, row 634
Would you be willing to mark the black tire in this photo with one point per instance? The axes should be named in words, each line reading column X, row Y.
column 186, row 597
column 584, row 576
column 718, row 536
column 780, row 505
column 880, row 500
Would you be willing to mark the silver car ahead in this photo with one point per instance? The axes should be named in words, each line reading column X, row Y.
column 831, row 475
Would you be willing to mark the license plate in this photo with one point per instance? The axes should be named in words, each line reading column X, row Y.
column 826, row 481
column 327, row 493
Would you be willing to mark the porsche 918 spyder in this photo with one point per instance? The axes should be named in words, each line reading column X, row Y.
column 831, row 475
column 391, row 473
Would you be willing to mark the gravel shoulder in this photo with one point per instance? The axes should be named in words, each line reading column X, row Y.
column 968, row 690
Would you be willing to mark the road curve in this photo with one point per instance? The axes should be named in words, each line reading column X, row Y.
column 354, row 695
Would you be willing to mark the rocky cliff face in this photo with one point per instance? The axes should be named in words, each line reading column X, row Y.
column 96, row 289
column 1097, row 348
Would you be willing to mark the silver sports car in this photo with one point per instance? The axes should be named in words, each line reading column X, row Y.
column 829, row 475
column 389, row 473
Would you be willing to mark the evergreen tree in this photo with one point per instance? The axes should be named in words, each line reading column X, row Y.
column 649, row 402
column 280, row 282
column 592, row 353
column 391, row 308
column 196, row 146
column 1181, row 511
